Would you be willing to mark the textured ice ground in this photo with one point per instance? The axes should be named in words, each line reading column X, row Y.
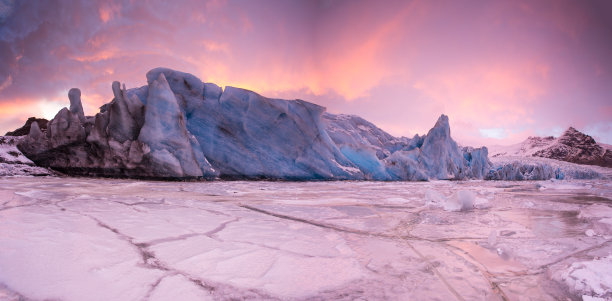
column 96, row 239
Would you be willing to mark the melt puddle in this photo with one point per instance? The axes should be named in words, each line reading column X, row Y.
column 547, row 223
column 489, row 259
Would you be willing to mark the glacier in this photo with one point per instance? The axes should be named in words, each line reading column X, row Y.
column 177, row 127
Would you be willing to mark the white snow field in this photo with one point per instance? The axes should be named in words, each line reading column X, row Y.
column 109, row 239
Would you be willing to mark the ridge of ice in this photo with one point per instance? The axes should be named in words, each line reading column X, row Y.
column 179, row 127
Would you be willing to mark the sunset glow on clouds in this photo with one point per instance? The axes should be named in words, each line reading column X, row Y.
column 502, row 70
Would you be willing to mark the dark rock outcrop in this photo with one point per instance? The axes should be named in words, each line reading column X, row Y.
column 25, row 129
column 14, row 163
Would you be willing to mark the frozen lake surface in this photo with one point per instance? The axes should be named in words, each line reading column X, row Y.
column 108, row 239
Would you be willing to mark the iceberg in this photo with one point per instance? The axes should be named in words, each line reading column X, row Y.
column 177, row 127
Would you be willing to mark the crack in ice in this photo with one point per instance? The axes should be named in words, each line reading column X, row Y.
column 210, row 234
column 358, row 232
column 149, row 260
column 486, row 274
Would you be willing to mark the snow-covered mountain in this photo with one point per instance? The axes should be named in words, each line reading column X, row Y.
column 539, row 158
column 525, row 148
column 178, row 127
column 576, row 147
column 573, row 146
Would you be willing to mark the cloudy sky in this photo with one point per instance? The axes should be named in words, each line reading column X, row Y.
column 501, row 70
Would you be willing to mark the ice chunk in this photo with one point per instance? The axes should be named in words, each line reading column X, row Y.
column 434, row 198
column 466, row 199
column 528, row 204
column 461, row 201
column 590, row 277
column 492, row 240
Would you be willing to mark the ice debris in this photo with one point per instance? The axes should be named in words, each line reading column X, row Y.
column 590, row 278
column 462, row 200
column 14, row 163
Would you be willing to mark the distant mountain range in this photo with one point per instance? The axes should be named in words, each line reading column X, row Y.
column 573, row 146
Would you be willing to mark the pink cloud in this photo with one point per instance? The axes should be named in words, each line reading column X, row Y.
column 515, row 66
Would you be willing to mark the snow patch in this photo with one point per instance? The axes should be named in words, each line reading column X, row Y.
column 590, row 278
column 14, row 163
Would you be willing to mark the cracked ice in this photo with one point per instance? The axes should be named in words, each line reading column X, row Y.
column 67, row 238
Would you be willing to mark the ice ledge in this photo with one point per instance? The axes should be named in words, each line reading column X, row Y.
column 179, row 127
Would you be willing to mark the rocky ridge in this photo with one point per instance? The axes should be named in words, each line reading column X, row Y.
column 25, row 129
column 576, row 147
